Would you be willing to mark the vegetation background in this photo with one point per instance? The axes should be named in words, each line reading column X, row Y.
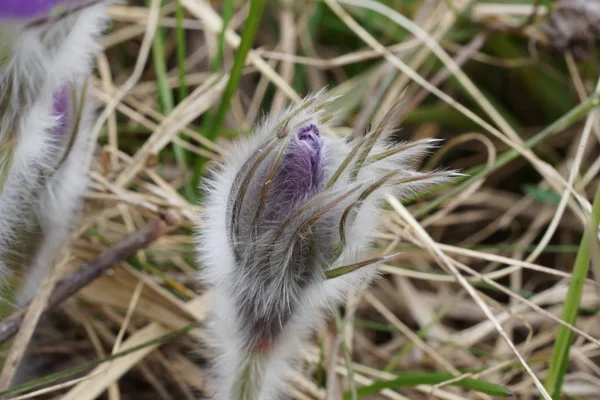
column 493, row 295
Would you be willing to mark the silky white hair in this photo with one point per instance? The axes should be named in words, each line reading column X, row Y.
column 232, row 263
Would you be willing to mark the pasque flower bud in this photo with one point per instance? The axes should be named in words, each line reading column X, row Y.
column 289, row 209
column 45, row 118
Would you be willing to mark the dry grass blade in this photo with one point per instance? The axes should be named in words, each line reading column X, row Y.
column 87, row 273
column 544, row 168
column 137, row 72
column 51, row 389
column 106, row 374
column 411, row 335
column 442, row 258
column 30, row 321
column 207, row 14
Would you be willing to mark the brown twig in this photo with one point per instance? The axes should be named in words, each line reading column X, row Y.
column 90, row 271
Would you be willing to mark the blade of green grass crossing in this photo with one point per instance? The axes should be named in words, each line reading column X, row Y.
column 247, row 39
column 560, row 355
column 166, row 98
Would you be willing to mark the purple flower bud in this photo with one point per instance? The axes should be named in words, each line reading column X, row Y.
column 300, row 174
column 27, row 9
column 289, row 175
column 290, row 209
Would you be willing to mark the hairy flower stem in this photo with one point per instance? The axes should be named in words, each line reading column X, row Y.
column 250, row 374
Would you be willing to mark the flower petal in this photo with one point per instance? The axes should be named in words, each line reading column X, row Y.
column 301, row 171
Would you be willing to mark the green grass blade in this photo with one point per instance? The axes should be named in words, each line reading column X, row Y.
column 52, row 378
column 547, row 196
column 414, row 379
column 5, row 163
column 180, row 50
column 160, row 68
column 166, row 98
column 560, row 355
column 217, row 61
column 248, row 35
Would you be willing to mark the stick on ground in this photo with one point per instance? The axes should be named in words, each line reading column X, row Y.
column 90, row 271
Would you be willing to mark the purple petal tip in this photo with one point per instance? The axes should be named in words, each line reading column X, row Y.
column 301, row 171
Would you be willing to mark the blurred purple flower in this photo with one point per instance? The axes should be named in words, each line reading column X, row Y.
column 46, row 53
column 27, row 9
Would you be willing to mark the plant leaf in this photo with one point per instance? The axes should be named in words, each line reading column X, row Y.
column 434, row 378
